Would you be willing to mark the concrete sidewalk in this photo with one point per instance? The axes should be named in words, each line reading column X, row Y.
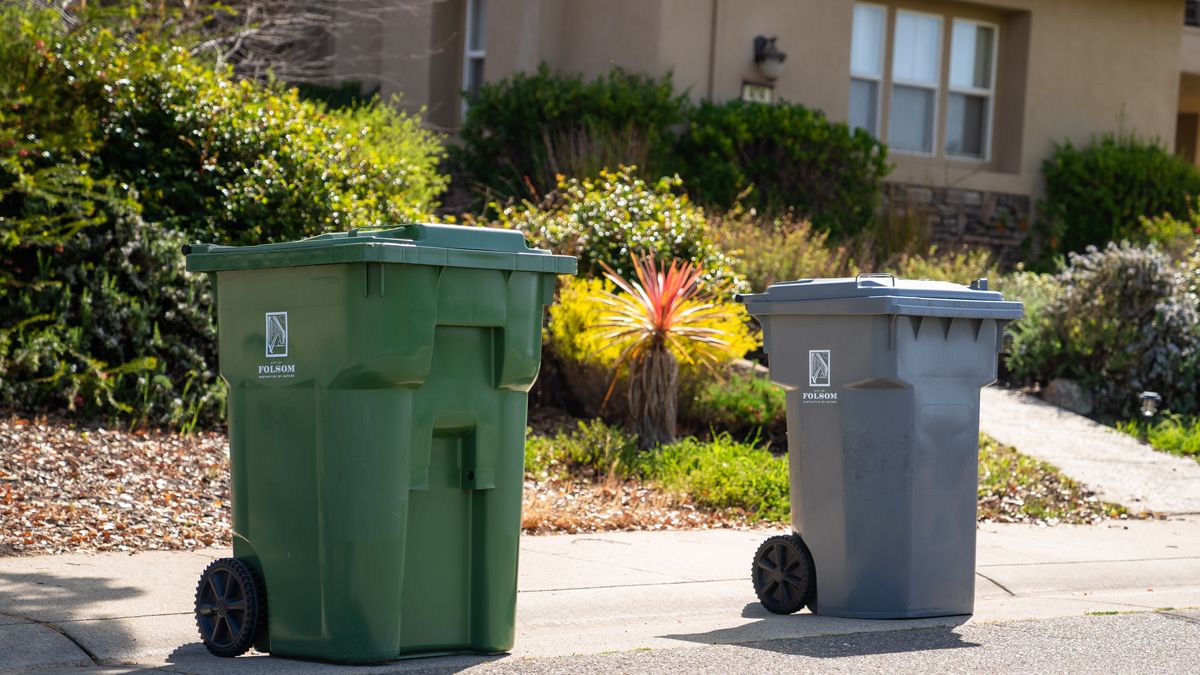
column 677, row 591
column 1118, row 467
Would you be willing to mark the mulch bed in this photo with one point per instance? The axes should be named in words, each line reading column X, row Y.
column 68, row 487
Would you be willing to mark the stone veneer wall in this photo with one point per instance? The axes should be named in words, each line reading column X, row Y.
column 956, row 216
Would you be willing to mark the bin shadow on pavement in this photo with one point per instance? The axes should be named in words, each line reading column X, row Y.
column 811, row 635
column 67, row 604
column 194, row 658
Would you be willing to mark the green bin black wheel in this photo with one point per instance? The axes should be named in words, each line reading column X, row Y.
column 783, row 574
column 230, row 607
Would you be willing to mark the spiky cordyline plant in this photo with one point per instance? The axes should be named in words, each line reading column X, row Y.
column 663, row 318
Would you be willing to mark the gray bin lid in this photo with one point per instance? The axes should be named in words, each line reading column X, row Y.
column 882, row 294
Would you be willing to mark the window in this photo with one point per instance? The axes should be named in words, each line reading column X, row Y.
column 969, row 106
column 866, row 66
column 475, row 50
column 916, row 59
column 929, row 100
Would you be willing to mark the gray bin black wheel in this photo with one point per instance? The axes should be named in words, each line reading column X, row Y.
column 230, row 607
column 784, row 577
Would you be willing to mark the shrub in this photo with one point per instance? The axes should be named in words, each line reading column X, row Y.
column 115, row 148
column 956, row 265
column 112, row 323
column 605, row 219
column 593, row 449
column 1122, row 322
column 790, row 158
column 1097, row 193
column 745, row 406
column 243, row 163
column 779, row 250
column 521, row 132
column 1033, row 289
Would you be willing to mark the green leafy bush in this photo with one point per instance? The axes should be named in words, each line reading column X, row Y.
column 956, row 265
column 112, row 323
column 606, row 218
column 1096, row 194
column 743, row 405
column 521, row 133
column 1121, row 322
column 242, row 163
column 115, row 148
column 779, row 249
column 790, row 157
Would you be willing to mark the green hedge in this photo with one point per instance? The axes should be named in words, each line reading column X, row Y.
column 1098, row 193
column 115, row 148
column 521, row 133
column 788, row 156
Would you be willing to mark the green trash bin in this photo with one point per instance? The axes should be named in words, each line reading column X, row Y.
column 377, row 408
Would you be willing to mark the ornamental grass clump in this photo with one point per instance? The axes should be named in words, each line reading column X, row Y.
column 665, row 317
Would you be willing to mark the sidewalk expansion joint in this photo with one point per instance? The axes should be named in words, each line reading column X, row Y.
column 61, row 631
column 1002, row 586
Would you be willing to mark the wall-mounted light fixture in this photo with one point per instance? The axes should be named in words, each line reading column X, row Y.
column 768, row 58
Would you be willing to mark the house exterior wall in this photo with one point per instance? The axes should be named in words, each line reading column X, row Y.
column 1067, row 69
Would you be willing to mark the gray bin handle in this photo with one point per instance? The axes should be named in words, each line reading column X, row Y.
column 858, row 277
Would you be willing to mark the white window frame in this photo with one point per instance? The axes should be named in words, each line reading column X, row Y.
column 472, row 55
column 989, row 94
column 881, row 78
column 934, row 145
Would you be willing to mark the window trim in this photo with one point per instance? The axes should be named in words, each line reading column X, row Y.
column 989, row 94
column 884, row 60
column 937, row 89
column 471, row 55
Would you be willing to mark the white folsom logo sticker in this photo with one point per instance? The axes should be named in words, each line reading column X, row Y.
column 276, row 371
column 818, row 368
column 277, row 334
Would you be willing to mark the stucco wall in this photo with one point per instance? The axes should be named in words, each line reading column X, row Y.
column 1067, row 69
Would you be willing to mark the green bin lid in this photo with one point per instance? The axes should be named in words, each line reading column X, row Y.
column 882, row 294
column 414, row 244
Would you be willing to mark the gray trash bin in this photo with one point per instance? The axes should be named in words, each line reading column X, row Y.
column 882, row 378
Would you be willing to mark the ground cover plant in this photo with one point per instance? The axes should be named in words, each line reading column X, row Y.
column 1169, row 432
